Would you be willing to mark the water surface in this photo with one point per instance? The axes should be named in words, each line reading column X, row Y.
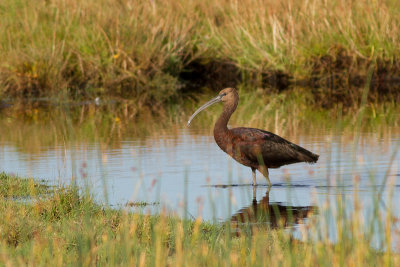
column 184, row 172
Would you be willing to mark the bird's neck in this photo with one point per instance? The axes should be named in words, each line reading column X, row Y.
column 222, row 135
column 221, row 126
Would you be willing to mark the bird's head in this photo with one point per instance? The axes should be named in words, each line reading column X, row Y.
column 229, row 96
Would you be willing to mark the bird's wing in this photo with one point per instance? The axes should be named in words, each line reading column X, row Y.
column 275, row 150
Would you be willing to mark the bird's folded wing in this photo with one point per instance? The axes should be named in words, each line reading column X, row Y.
column 275, row 150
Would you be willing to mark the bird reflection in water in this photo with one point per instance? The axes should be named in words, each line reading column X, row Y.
column 269, row 215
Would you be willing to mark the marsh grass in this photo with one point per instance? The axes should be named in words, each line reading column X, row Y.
column 138, row 49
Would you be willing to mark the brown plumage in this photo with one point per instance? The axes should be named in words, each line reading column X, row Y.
column 252, row 147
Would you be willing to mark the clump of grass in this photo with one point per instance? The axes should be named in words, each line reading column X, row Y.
column 141, row 204
column 16, row 187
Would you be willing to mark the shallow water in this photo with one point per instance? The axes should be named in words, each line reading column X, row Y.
column 183, row 171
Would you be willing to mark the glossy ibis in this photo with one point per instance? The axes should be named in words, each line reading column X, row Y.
column 255, row 148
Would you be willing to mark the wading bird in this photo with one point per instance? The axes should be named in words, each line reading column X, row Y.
column 252, row 147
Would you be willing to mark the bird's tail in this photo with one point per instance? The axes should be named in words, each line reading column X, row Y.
column 307, row 156
column 313, row 158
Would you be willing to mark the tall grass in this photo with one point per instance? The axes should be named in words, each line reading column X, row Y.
column 139, row 48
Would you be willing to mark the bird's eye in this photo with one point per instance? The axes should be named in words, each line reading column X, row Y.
column 222, row 95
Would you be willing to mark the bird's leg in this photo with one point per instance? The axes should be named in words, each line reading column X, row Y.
column 262, row 168
column 253, row 170
column 264, row 171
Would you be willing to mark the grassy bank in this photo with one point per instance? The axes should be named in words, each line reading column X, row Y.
column 67, row 227
column 156, row 51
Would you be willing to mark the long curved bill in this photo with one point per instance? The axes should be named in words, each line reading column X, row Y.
column 206, row 105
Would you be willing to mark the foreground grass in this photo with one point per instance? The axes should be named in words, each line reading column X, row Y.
column 69, row 228
column 145, row 50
